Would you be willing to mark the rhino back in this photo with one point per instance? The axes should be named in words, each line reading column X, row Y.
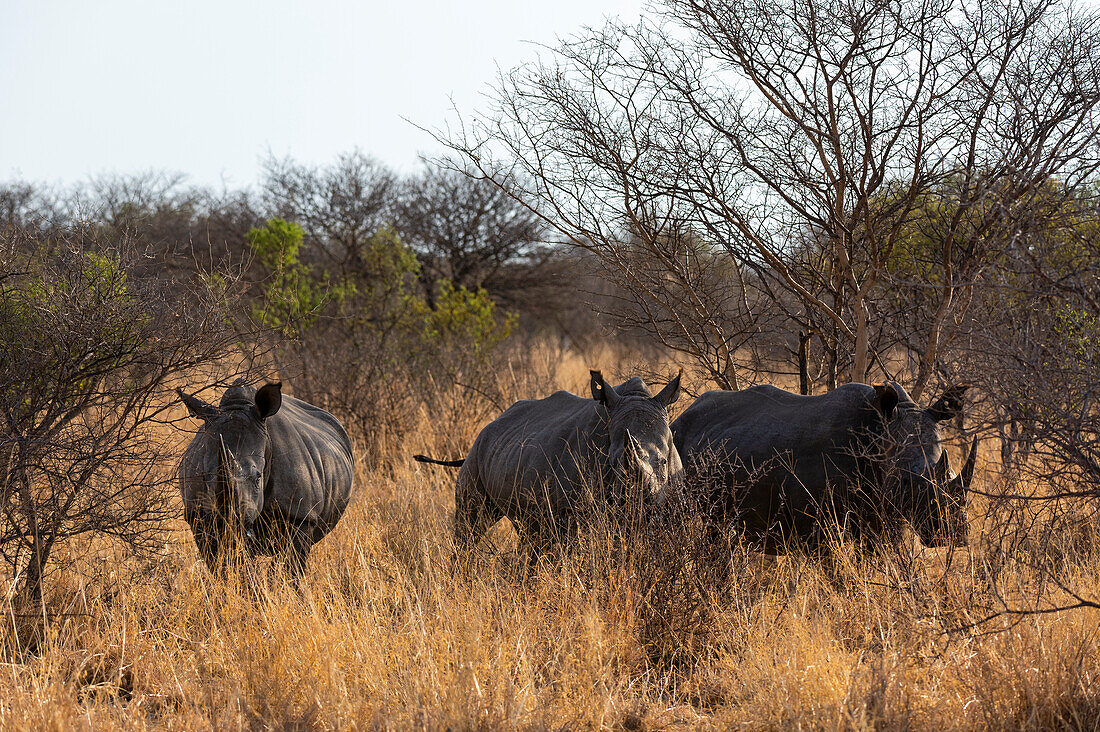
column 757, row 424
column 312, row 468
column 535, row 446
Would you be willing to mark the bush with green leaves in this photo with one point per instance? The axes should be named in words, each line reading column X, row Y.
column 87, row 355
column 292, row 295
column 362, row 338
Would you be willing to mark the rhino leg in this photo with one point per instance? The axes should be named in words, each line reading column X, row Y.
column 538, row 543
column 475, row 514
column 295, row 550
column 209, row 550
column 208, row 538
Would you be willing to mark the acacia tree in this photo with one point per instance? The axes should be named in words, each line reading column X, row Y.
column 473, row 234
column 340, row 206
column 366, row 343
column 88, row 353
column 1034, row 349
column 770, row 128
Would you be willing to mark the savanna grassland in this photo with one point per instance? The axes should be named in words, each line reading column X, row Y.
column 384, row 633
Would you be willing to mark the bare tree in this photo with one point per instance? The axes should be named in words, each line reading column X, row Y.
column 340, row 206
column 87, row 355
column 473, row 234
column 772, row 127
column 1034, row 348
column 27, row 210
column 179, row 230
column 175, row 230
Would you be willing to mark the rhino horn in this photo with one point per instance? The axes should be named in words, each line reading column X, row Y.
column 227, row 465
column 942, row 471
column 961, row 482
column 228, row 460
column 633, row 456
column 633, row 447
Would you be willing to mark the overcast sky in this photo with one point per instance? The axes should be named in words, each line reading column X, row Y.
column 208, row 87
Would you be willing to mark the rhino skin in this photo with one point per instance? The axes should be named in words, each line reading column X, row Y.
column 267, row 472
column 542, row 459
column 789, row 469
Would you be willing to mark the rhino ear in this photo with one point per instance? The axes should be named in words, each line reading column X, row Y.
column 949, row 405
column 671, row 392
column 197, row 407
column 268, row 399
column 603, row 392
column 886, row 400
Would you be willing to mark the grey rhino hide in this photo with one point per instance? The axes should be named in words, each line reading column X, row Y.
column 782, row 465
column 281, row 468
column 538, row 460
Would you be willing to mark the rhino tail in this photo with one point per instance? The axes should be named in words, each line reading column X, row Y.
column 433, row 461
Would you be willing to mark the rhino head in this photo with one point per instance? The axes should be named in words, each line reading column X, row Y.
column 238, row 449
column 928, row 493
column 642, row 456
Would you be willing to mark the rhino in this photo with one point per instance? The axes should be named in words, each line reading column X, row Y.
column 542, row 459
column 789, row 469
column 267, row 473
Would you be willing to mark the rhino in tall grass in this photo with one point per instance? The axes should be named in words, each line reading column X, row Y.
column 540, row 460
column 860, row 459
column 267, row 472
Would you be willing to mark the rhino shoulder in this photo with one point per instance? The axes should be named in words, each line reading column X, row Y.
column 535, row 422
column 554, row 406
column 308, row 419
column 852, row 401
column 715, row 403
column 720, row 415
column 699, row 418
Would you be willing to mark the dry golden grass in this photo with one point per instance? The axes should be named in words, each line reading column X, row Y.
column 385, row 634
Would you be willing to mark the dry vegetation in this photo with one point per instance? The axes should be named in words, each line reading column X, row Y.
column 893, row 190
column 385, row 634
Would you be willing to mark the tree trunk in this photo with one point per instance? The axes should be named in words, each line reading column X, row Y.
column 834, row 367
column 804, row 386
column 31, row 619
column 31, row 590
column 860, row 357
column 931, row 353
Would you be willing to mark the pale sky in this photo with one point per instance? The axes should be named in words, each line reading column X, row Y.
column 208, row 87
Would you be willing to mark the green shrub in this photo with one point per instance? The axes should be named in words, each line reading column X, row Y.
column 292, row 294
column 360, row 336
column 87, row 354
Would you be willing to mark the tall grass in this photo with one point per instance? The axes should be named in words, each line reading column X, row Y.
column 386, row 632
